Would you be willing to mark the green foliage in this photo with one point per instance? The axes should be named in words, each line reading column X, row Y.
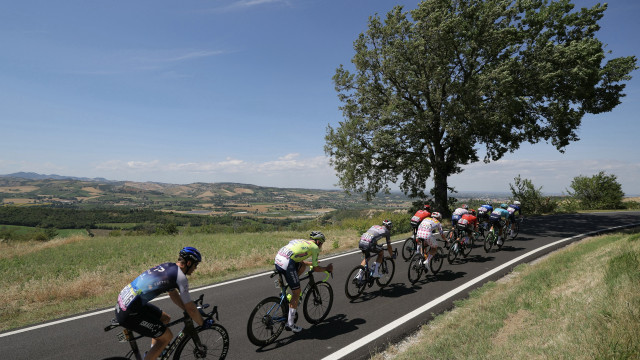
column 533, row 202
column 600, row 191
column 433, row 87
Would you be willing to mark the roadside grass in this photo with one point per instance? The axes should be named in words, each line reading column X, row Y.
column 65, row 276
column 582, row 302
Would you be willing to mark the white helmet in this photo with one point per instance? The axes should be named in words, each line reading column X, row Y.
column 516, row 203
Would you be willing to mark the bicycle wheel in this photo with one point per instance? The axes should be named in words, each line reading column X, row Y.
column 451, row 237
column 415, row 268
column 488, row 243
column 355, row 286
column 516, row 230
column 453, row 252
column 267, row 321
column 466, row 249
column 387, row 269
column 317, row 303
column 214, row 344
column 408, row 249
column 436, row 261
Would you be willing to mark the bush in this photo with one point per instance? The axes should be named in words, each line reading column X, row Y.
column 533, row 202
column 599, row 191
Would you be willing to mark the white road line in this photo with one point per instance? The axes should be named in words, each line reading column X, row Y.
column 61, row 321
column 385, row 329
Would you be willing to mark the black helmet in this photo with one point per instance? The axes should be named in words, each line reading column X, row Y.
column 317, row 236
column 190, row 253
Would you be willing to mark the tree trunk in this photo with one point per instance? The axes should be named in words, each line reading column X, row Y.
column 440, row 192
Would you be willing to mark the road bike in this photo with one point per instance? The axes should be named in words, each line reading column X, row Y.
column 492, row 239
column 417, row 267
column 516, row 227
column 268, row 318
column 461, row 246
column 410, row 246
column 191, row 343
column 361, row 276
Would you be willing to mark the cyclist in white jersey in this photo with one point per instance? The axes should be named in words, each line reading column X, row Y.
column 429, row 230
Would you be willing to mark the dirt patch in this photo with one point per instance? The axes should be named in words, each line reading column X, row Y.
column 18, row 201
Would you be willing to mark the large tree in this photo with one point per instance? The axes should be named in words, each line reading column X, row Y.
column 436, row 86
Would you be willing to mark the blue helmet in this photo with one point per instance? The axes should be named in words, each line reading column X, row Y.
column 504, row 206
column 190, row 253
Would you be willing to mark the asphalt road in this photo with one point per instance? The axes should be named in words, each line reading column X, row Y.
column 353, row 330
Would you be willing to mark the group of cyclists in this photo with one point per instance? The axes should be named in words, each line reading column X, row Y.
column 133, row 310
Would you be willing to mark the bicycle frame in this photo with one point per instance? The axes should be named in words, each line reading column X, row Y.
column 189, row 329
column 283, row 291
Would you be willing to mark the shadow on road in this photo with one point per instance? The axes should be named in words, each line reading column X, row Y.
column 331, row 327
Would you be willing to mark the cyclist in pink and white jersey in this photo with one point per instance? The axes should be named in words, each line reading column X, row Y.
column 429, row 230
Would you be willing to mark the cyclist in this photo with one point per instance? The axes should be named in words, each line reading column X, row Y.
column 498, row 218
column 457, row 214
column 134, row 312
column 428, row 231
column 512, row 214
column 471, row 222
column 420, row 215
column 369, row 244
column 290, row 262
column 484, row 212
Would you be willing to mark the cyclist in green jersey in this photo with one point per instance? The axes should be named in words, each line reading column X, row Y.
column 290, row 262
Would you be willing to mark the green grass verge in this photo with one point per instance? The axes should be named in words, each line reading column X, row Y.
column 582, row 302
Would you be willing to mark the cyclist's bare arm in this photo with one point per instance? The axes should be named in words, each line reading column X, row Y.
column 189, row 307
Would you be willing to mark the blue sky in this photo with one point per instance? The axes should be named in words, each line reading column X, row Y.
column 240, row 91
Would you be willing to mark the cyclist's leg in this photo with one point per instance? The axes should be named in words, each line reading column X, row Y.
column 293, row 280
column 158, row 344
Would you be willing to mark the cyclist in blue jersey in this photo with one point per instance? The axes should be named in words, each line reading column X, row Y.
column 134, row 312
column 512, row 209
column 498, row 219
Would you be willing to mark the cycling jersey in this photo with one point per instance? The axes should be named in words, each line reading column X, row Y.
column 151, row 283
column 369, row 240
column 428, row 230
column 460, row 211
column 473, row 220
column 133, row 310
column 502, row 213
column 488, row 207
column 418, row 217
column 297, row 250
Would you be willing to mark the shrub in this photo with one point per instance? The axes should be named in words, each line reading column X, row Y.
column 600, row 191
column 533, row 202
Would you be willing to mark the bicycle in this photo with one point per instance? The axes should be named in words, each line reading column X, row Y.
column 416, row 265
column 516, row 227
column 361, row 276
column 191, row 342
column 410, row 246
column 492, row 239
column 461, row 245
column 268, row 318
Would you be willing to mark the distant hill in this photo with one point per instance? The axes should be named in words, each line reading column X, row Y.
column 202, row 198
column 36, row 176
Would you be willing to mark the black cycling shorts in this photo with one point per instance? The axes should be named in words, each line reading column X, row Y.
column 370, row 248
column 145, row 321
column 291, row 274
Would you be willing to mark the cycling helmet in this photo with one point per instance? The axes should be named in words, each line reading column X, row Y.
column 516, row 203
column 190, row 253
column 387, row 224
column 436, row 215
column 317, row 236
column 472, row 212
column 465, row 206
column 427, row 207
column 504, row 206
